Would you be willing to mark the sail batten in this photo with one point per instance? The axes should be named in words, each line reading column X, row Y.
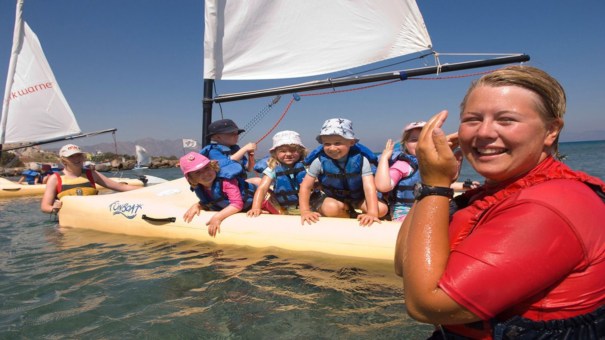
column 279, row 43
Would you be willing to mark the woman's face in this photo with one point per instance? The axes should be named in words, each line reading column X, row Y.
column 502, row 134
column 75, row 160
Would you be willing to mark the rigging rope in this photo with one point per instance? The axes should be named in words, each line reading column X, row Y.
column 278, row 121
column 296, row 97
column 260, row 115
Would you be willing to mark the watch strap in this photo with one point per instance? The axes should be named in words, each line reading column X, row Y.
column 424, row 190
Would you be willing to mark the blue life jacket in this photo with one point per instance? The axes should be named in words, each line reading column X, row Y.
column 261, row 164
column 403, row 192
column 216, row 200
column 343, row 183
column 30, row 176
column 287, row 181
column 221, row 153
column 286, row 187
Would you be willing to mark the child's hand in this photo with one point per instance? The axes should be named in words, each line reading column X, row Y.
column 254, row 212
column 388, row 149
column 366, row 220
column 192, row 212
column 250, row 147
column 214, row 226
column 309, row 217
column 57, row 204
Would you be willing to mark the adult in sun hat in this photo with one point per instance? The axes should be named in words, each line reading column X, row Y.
column 75, row 181
column 226, row 196
column 223, row 147
column 285, row 170
column 343, row 167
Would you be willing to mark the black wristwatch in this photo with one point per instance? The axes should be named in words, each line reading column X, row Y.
column 422, row 190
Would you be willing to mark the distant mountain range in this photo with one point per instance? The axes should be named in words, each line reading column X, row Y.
column 166, row 148
column 155, row 148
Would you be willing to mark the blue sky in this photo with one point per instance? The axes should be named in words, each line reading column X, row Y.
column 137, row 66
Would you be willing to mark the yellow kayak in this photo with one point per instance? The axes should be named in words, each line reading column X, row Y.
column 10, row 189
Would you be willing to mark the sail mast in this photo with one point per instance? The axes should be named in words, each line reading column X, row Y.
column 12, row 65
column 207, row 117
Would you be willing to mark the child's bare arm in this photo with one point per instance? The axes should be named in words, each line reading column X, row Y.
column 371, row 198
column 193, row 211
column 251, row 161
column 304, row 197
column 214, row 225
column 250, row 147
column 383, row 178
column 259, row 196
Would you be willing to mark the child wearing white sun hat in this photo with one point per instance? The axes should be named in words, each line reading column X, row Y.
column 284, row 170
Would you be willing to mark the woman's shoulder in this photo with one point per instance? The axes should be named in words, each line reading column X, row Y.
column 566, row 197
column 563, row 189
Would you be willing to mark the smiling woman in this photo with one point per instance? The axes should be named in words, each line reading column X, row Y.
column 75, row 180
column 469, row 271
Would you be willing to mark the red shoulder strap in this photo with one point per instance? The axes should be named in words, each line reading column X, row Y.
column 59, row 182
column 91, row 178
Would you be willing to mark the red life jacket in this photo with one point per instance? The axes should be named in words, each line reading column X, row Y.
column 477, row 202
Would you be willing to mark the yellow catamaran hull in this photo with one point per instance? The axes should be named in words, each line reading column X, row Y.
column 157, row 211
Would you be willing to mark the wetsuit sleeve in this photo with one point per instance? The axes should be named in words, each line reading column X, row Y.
column 522, row 250
column 315, row 168
column 231, row 190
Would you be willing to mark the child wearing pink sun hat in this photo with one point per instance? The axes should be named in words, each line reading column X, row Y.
column 217, row 191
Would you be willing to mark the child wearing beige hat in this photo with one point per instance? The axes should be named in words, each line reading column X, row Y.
column 284, row 170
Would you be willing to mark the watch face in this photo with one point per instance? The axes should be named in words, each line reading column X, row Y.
column 417, row 190
column 422, row 190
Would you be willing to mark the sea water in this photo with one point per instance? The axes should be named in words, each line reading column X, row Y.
column 82, row 284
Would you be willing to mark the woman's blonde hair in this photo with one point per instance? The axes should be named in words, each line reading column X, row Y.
column 273, row 161
column 552, row 103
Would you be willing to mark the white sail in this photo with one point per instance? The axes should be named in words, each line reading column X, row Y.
column 143, row 158
column 253, row 39
column 34, row 108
